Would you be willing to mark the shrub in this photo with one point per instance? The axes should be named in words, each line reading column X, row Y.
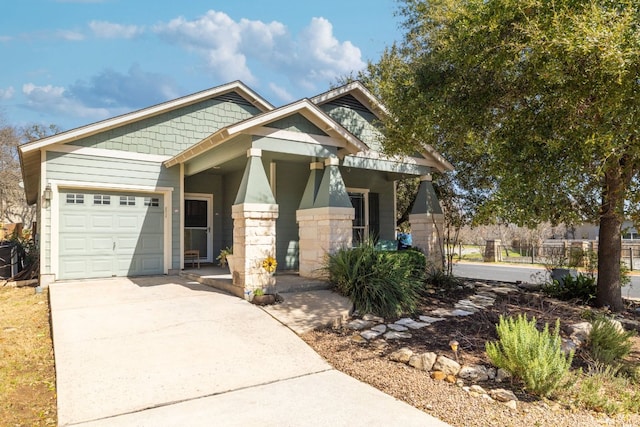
column 533, row 356
column 440, row 279
column 377, row 282
column 608, row 343
column 581, row 287
column 601, row 390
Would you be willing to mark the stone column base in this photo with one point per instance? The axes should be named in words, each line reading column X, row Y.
column 322, row 230
column 254, row 239
column 425, row 235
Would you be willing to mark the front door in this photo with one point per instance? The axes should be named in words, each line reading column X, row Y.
column 197, row 225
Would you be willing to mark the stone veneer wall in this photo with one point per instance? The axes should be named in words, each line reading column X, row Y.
column 425, row 233
column 254, row 239
column 322, row 230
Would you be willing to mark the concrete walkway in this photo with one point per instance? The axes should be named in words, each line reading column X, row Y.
column 162, row 351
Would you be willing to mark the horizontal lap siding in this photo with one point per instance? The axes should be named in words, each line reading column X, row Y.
column 291, row 180
column 109, row 171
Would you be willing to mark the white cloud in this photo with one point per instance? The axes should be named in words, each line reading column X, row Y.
column 7, row 93
column 135, row 89
column 54, row 99
column 110, row 30
column 107, row 94
column 241, row 49
column 281, row 92
column 69, row 35
column 329, row 57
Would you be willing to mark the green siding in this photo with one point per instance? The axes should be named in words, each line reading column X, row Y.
column 359, row 123
column 172, row 132
column 298, row 123
column 291, row 179
column 102, row 170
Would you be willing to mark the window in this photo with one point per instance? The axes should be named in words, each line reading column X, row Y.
column 75, row 199
column 127, row 200
column 152, row 201
column 360, row 201
column 99, row 199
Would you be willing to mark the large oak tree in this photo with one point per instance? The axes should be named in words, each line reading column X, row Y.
column 535, row 102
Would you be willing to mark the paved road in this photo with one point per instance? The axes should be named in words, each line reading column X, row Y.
column 525, row 274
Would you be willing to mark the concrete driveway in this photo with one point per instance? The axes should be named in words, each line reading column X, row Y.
column 162, row 351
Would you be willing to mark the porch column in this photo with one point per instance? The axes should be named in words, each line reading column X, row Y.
column 254, row 216
column 326, row 225
column 427, row 222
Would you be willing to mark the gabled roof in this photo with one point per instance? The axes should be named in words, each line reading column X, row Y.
column 30, row 153
column 366, row 98
column 304, row 107
column 359, row 92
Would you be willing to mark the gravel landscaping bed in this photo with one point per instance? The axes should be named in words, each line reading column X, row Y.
column 368, row 361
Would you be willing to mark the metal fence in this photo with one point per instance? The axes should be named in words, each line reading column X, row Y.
column 568, row 252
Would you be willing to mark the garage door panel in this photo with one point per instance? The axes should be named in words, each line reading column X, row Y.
column 74, row 244
column 71, row 221
column 99, row 240
column 102, row 222
column 128, row 222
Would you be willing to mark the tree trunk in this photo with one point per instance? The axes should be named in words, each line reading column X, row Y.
column 609, row 292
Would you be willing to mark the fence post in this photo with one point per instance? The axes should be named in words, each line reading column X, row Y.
column 533, row 251
column 631, row 258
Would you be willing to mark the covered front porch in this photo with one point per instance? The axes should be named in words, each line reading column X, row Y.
column 291, row 185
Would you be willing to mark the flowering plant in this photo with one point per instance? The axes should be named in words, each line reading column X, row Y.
column 270, row 264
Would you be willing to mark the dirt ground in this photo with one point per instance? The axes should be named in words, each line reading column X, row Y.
column 27, row 373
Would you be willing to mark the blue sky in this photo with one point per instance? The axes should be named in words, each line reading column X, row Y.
column 74, row 62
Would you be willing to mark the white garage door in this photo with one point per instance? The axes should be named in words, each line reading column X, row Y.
column 105, row 234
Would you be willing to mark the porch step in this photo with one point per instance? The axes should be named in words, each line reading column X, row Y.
column 218, row 281
column 293, row 283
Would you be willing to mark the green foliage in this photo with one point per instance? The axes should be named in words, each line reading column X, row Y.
column 533, row 356
column 440, row 279
column 222, row 257
column 534, row 102
column 602, row 390
column 379, row 282
column 608, row 343
column 582, row 288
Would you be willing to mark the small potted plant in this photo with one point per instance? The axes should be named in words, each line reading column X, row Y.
column 226, row 257
column 260, row 298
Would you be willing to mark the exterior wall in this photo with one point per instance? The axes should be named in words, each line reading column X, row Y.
column 117, row 172
column 291, row 179
column 376, row 182
column 171, row 132
column 231, row 183
column 207, row 183
column 358, row 122
column 296, row 122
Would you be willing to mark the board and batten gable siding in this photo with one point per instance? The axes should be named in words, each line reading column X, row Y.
column 356, row 118
column 296, row 123
column 173, row 132
column 376, row 182
column 110, row 171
